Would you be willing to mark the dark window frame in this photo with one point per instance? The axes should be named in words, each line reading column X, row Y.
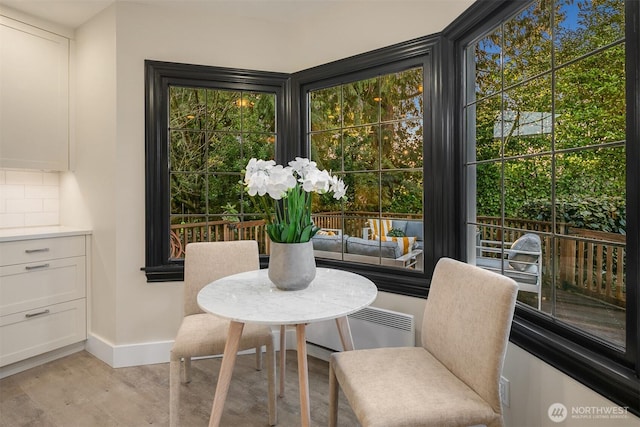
column 159, row 267
column 596, row 364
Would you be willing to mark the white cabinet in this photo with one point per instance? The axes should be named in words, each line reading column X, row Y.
column 34, row 97
column 43, row 289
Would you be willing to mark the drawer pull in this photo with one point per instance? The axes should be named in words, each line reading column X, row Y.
column 31, row 251
column 40, row 313
column 35, row 267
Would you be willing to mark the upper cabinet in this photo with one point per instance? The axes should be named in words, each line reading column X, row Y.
column 34, row 97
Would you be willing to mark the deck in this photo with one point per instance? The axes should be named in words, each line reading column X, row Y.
column 604, row 320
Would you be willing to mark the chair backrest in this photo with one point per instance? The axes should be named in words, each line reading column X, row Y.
column 467, row 319
column 205, row 262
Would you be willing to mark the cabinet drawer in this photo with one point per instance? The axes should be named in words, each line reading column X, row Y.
column 29, row 286
column 26, row 251
column 30, row 333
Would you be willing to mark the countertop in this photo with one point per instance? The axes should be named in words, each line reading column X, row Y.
column 28, row 233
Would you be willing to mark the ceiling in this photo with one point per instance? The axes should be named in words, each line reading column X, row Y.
column 70, row 14
column 74, row 13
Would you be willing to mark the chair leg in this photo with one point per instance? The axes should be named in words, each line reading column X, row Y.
column 271, row 379
column 258, row 358
column 333, row 397
column 174, row 392
column 186, row 372
column 283, row 357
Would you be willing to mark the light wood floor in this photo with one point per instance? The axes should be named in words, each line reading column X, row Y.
column 80, row 390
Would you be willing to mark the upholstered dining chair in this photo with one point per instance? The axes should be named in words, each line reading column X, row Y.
column 203, row 334
column 453, row 378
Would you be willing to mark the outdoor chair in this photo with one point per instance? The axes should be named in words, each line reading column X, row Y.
column 453, row 378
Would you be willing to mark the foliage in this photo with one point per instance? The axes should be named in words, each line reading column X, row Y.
column 606, row 214
column 212, row 135
column 396, row 232
column 371, row 133
column 230, row 213
column 543, row 134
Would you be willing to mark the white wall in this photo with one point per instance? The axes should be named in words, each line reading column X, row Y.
column 96, row 164
column 129, row 315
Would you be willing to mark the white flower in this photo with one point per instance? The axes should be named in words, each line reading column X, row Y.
column 338, row 188
column 295, row 182
column 264, row 177
column 302, row 167
column 316, row 180
column 280, row 180
column 256, row 177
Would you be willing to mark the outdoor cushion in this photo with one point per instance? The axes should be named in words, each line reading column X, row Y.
column 404, row 243
column 529, row 243
column 528, row 276
column 356, row 245
column 325, row 242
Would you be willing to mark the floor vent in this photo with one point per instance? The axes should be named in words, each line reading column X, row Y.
column 371, row 327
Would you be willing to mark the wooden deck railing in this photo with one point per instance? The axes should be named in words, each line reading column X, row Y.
column 352, row 223
column 586, row 261
column 216, row 231
column 213, row 231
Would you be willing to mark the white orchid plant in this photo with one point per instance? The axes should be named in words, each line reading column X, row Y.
column 285, row 195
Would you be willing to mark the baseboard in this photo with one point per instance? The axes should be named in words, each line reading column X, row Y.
column 121, row 356
column 41, row 359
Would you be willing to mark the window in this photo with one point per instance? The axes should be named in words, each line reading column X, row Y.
column 550, row 187
column 203, row 125
column 377, row 120
column 212, row 135
column 547, row 159
column 370, row 132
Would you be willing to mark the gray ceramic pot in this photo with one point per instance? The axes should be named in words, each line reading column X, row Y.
column 292, row 266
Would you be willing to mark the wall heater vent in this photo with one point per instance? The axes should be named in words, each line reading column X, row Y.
column 371, row 327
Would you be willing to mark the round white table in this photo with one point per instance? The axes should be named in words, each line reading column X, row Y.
column 251, row 297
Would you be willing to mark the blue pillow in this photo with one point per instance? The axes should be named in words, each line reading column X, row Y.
column 414, row 229
column 400, row 225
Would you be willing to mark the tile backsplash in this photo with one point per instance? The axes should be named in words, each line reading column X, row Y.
column 29, row 198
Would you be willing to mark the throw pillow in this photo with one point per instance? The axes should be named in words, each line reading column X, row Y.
column 528, row 243
column 379, row 227
column 404, row 243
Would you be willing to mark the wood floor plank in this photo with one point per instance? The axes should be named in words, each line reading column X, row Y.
column 81, row 390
